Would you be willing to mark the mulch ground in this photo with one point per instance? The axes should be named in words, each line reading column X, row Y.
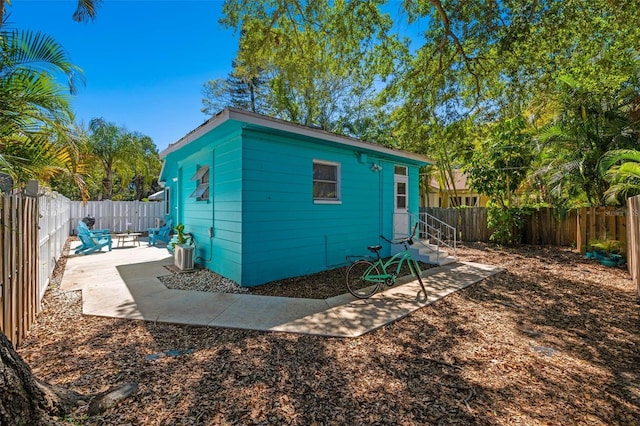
column 319, row 286
column 553, row 340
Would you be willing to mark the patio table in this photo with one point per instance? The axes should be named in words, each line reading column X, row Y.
column 132, row 237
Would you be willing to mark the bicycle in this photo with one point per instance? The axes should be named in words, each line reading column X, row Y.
column 364, row 278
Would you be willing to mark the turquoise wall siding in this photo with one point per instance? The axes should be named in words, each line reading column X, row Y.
column 220, row 251
column 285, row 233
column 265, row 224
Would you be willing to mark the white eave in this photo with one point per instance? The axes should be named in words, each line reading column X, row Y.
column 259, row 120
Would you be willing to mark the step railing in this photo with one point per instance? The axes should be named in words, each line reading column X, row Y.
column 437, row 232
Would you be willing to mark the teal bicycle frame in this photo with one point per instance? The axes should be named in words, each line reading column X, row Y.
column 364, row 277
column 404, row 256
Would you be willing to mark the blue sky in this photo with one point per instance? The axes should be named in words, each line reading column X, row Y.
column 144, row 61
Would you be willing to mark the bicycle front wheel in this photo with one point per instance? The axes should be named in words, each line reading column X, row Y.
column 358, row 282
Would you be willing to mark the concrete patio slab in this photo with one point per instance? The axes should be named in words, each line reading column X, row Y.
column 124, row 283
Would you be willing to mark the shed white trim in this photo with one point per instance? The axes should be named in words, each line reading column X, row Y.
column 258, row 120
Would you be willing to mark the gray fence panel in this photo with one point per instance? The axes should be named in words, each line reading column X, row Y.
column 118, row 216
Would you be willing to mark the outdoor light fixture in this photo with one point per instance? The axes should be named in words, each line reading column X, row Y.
column 375, row 167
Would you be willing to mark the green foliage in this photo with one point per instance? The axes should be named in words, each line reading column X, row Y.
column 484, row 63
column 622, row 169
column 608, row 246
column 500, row 162
column 127, row 161
column 586, row 123
column 37, row 140
column 180, row 237
column 180, row 234
column 525, row 97
column 320, row 58
column 238, row 90
column 506, row 224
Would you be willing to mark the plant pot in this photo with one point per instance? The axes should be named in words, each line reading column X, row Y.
column 599, row 255
column 588, row 255
column 609, row 261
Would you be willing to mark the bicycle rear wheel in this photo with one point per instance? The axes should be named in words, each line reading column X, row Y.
column 357, row 282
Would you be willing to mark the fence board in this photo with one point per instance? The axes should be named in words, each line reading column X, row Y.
column 115, row 215
column 633, row 241
column 543, row 226
column 33, row 231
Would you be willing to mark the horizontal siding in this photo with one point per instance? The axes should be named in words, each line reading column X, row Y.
column 265, row 223
column 221, row 151
column 285, row 233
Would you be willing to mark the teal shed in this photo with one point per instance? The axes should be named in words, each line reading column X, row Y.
column 267, row 199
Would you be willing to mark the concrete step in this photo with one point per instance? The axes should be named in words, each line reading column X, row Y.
column 429, row 253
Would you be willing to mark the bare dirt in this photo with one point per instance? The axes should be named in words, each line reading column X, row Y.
column 553, row 340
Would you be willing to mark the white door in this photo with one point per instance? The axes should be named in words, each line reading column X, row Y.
column 401, row 202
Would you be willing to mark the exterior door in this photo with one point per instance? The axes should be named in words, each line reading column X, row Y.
column 401, row 202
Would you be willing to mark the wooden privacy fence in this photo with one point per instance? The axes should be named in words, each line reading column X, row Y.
column 543, row 226
column 633, row 241
column 19, row 299
column 471, row 223
column 33, row 232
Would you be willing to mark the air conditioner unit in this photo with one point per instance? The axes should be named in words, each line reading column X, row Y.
column 183, row 257
column 159, row 222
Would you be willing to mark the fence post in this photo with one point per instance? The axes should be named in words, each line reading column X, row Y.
column 581, row 232
column 633, row 241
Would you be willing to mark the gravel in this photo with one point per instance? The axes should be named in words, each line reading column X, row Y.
column 321, row 285
column 201, row 280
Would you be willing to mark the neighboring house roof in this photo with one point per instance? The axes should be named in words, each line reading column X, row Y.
column 252, row 119
column 459, row 181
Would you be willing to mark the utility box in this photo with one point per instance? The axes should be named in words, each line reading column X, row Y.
column 183, row 257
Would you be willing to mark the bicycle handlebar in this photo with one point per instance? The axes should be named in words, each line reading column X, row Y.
column 409, row 239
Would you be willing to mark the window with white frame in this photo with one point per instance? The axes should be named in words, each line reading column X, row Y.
column 201, row 177
column 400, row 170
column 326, row 181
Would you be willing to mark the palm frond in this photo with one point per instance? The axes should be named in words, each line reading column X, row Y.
column 617, row 156
column 86, row 10
column 38, row 52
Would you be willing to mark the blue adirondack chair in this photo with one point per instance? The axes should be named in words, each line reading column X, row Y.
column 99, row 234
column 91, row 244
column 83, row 228
column 160, row 234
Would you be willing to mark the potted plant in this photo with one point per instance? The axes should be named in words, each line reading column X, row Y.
column 180, row 237
column 607, row 251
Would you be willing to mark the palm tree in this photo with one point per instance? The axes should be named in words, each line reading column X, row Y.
column 587, row 124
column 85, row 10
column 127, row 158
column 35, row 112
column 621, row 168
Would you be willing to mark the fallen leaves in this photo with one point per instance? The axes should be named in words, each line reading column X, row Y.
column 470, row 358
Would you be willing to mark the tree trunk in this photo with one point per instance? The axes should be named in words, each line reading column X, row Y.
column 1, row 12
column 23, row 399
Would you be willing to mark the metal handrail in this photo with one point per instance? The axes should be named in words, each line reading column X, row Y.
column 433, row 228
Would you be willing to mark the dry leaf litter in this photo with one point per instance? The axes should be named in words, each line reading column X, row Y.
column 553, row 340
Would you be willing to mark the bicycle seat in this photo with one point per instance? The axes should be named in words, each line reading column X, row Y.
column 374, row 249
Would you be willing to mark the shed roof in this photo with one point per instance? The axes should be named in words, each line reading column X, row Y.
column 156, row 196
column 255, row 120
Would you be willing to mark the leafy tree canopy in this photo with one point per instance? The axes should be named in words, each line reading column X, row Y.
column 320, row 58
